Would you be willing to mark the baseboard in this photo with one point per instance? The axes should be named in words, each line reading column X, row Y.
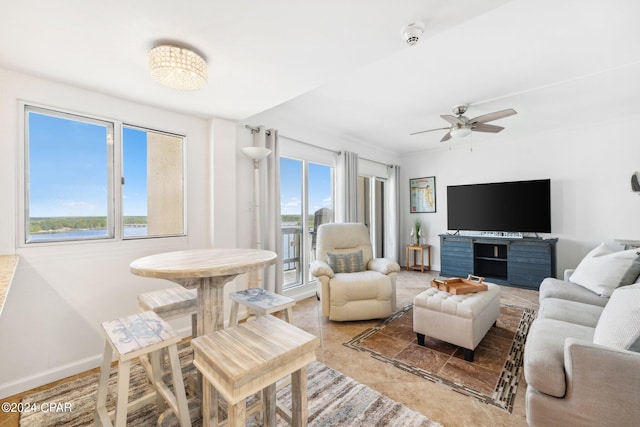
column 302, row 292
column 45, row 377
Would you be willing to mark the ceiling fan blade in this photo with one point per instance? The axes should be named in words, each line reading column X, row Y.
column 481, row 127
column 493, row 116
column 452, row 119
column 446, row 137
column 430, row 130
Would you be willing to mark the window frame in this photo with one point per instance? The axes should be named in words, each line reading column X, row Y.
column 114, row 181
column 122, row 177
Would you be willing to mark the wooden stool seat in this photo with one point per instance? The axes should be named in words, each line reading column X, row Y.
column 262, row 302
column 245, row 359
column 131, row 337
column 170, row 303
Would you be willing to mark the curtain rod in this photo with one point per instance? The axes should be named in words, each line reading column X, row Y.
column 375, row 161
column 268, row 132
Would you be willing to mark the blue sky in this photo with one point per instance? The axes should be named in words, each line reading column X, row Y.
column 291, row 186
column 68, row 168
column 135, row 172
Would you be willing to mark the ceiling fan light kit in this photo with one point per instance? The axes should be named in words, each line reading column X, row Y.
column 460, row 132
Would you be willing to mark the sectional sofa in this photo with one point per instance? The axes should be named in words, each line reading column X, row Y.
column 581, row 360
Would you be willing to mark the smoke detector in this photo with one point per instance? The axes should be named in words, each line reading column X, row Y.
column 412, row 32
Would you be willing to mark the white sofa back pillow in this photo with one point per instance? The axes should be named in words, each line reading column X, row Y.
column 603, row 270
column 619, row 323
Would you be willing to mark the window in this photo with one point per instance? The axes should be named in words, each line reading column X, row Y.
column 152, row 196
column 71, row 190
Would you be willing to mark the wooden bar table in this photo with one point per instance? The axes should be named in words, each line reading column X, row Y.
column 208, row 270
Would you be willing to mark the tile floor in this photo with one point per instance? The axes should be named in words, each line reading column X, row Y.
column 436, row 402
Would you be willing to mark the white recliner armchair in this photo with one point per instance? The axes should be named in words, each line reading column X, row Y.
column 353, row 284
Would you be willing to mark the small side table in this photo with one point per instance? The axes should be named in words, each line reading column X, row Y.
column 416, row 249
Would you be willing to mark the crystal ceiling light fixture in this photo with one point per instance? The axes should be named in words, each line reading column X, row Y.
column 177, row 67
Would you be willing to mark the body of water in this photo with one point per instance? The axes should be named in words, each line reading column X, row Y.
column 85, row 234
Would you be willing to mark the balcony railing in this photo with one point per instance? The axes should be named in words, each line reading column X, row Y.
column 291, row 239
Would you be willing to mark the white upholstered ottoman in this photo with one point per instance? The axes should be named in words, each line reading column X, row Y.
column 462, row 320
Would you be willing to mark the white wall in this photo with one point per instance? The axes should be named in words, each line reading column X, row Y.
column 50, row 324
column 589, row 166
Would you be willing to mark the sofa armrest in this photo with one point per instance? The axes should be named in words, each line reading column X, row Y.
column 567, row 273
column 602, row 381
column 320, row 268
column 383, row 265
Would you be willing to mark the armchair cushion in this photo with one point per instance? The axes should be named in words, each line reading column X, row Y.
column 619, row 324
column 347, row 262
column 603, row 270
column 383, row 265
column 360, row 296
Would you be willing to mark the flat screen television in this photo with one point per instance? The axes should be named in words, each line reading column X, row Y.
column 518, row 206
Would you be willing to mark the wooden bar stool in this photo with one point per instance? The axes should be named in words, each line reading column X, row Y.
column 132, row 337
column 171, row 303
column 251, row 357
column 262, row 302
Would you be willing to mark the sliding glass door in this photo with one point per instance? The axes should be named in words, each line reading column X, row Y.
column 306, row 201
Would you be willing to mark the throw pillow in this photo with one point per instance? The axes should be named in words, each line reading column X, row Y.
column 619, row 323
column 348, row 262
column 603, row 270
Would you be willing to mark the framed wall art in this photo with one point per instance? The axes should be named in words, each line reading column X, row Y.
column 422, row 194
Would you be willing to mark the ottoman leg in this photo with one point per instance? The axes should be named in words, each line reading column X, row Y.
column 468, row 354
column 420, row 339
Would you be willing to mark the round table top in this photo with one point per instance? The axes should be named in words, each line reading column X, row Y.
column 199, row 263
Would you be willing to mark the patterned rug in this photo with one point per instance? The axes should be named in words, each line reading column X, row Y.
column 492, row 377
column 333, row 400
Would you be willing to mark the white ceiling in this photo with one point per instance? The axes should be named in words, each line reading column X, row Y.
column 342, row 65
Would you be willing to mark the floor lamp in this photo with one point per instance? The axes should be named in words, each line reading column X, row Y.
column 256, row 154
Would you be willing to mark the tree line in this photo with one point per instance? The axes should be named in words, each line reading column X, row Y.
column 77, row 223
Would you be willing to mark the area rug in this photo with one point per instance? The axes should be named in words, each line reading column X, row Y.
column 333, row 400
column 492, row 377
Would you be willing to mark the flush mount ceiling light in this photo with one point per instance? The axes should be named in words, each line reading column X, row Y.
column 177, row 67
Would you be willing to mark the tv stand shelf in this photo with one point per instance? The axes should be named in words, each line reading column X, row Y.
column 517, row 262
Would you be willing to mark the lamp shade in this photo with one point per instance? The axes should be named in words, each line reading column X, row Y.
column 256, row 153
column 177, row 67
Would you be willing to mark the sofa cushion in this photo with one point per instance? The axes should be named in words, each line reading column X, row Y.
column 544, row 354
column 603, row 270
column 554, row 288
column 347, row 262
column 619, row 324
column 570, row 311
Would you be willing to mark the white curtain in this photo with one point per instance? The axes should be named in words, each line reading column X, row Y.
column 272, row 237
column 392, row 242
column 350, row 175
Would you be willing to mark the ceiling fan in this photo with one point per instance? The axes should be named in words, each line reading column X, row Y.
column 462, row 126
